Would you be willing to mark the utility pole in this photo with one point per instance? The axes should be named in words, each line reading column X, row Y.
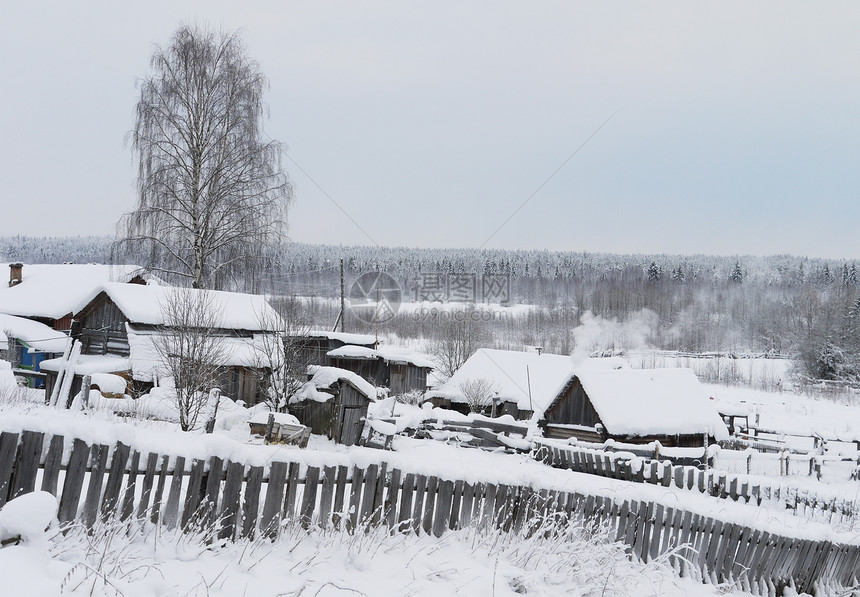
column 376, row 317
column 342, row 299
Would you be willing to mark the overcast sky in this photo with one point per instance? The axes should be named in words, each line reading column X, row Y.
column 736, row 127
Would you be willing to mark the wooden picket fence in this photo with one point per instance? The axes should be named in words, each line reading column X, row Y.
column 232, row 500
column 713, row 482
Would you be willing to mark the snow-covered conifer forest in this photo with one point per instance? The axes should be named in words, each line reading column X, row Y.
column 805, row 309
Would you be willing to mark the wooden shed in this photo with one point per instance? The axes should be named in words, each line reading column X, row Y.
column 334, row 403
column 400, row 371
column 634, row 406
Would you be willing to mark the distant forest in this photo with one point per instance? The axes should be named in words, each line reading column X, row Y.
column 808, row 308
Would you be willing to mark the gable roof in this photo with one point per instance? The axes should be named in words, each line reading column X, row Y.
column 389, row 355
column 55, row 290
column 233, row 310
column 344, row 337
column 642, row 402
column 512, row 373
column 37, row 336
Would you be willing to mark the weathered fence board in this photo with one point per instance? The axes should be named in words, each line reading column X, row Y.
column 8, row 449
column 146, row 486
column 27, row 463
column 229, row 512
column 113, row 486
column 271, row 519
column 53, row 462
column 171, row 509
column 73, row 482
column 251, row 502
column 130, row 487
column 99, row 456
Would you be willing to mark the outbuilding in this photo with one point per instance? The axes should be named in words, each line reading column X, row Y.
column 635, row 406
column 333, row 403
column 401, row 371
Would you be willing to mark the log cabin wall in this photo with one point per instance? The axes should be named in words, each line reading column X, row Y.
column 405, row 377
column 572, row 407
column 103, row 328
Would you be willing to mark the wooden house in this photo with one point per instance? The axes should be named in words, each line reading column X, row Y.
column 334, row 403
column 52, row 293
column 26, row 344
column 634, row 406
column 120, row 328
column 398, row 370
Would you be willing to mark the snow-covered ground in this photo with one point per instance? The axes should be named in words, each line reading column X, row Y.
column 331, row 563
column 794, row 414
column 128, row 561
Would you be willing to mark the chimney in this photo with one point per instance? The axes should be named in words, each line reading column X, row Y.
column 15, row 273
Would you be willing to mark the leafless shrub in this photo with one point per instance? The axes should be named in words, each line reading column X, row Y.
column 478, row 392
column 458, row 338
column 191, row 350
column 280, row 357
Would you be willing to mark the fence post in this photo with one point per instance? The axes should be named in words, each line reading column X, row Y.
column 749, row 462
column 214, row 399
column 86, row 382
column 13, row 351
column 270, row 428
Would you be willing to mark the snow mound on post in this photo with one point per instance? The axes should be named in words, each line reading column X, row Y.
column 28, row 517
column 109, row 383
column 325, row 377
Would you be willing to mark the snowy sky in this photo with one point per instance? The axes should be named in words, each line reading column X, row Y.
column 735, row 126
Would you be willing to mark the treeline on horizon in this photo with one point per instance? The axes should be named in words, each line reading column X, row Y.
column 808, row 308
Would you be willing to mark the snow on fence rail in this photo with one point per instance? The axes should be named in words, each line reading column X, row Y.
column 232, row 500
column 717, row 483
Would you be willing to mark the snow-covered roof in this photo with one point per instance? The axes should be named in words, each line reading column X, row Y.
column 38, row 336
column 55, row 290
column 512, row 374
column 144, row 360
column 90, row 363
column 232, row 310
column 325, row 377
column 234, row 351
column 389, row 355
column 345, row 337
column 641, row 402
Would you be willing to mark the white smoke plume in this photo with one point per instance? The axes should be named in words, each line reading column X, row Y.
column 596, row 335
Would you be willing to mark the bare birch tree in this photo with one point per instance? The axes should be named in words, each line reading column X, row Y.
column 211, row 189
column 191, row 350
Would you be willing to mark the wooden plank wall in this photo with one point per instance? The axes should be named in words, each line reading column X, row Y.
column 231, row 500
